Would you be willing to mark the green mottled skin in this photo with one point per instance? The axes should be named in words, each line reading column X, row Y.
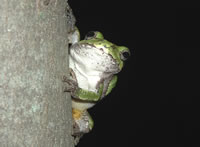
column 89, row 95
column 112, row 49
column 106, row 83
column 111, row 84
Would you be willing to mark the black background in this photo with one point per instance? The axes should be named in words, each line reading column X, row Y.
column 157, row 106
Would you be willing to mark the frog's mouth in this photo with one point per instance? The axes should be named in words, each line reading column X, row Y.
column 92, row 58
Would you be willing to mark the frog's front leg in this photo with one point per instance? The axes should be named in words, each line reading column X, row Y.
column 79, row 93
column 111, row 84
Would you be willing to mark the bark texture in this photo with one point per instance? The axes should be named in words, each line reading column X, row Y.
column 34, row 110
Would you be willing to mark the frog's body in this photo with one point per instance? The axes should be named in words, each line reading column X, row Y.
column 94, row 63
column 95, row 60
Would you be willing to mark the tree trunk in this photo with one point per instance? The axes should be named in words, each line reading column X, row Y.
column 34, row 110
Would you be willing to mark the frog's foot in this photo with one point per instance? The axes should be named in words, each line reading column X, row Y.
column 71, row 85
column 77, row 138
column 82, row 124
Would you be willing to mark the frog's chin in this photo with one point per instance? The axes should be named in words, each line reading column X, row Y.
column 96, row 69
column 93, row 60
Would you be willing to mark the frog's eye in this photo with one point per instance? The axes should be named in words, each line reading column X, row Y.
column 90, row 34
column 124, row 55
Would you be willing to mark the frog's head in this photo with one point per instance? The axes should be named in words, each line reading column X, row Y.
column 118, row 53
column 94, row 53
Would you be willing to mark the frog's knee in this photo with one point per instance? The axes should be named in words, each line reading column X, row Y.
column 83, row 122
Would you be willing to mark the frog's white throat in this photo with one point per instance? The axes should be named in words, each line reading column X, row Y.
column 93, row 61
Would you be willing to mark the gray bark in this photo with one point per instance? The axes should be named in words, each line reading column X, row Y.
column 34, row 110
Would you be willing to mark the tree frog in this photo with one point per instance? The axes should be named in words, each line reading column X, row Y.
column 94, row 63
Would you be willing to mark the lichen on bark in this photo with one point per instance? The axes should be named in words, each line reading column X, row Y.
column 34, row 110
